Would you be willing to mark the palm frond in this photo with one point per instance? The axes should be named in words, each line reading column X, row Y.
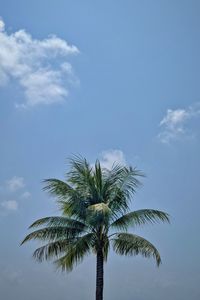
column 53, row 233
column 121, row 184
column 129, row 181
column 58, row 221
column 130, row 244
column 111, row 178
column 119, row 204
column 71, row 201
column 52, row 250
column 98, row 181
column 86, row 179
column 75, row 208
column 58, row 188
column 80, row 175
column 76, row 252
column 124, row 178
column 140, row 217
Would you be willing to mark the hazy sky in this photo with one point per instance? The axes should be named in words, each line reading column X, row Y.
column 117, row 80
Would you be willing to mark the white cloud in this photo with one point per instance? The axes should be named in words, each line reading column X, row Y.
column 15, row 183
column 39, row 66
column 174, row 123
column 2, row 25
column 10, row 205
column 26, row 195
column 110, row 157
column 174, row 118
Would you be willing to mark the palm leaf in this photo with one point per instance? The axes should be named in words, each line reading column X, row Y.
column 140, row 217
column 71, row 201
column 53, row 233
column 58, row 188
column 130, row 244
column 124, row 178
column 52, row 250
column 121, row 184
column 59, row 221
column 76, row 252
column 75, row 208
column 98, row 180
column 81, row 176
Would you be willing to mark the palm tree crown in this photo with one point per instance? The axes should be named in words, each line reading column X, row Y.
column 95, row 215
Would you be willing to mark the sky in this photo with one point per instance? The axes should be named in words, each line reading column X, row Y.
column 113, row 80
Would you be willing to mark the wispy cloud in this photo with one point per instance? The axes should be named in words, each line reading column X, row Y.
column 25, row 195
column 110, row 157
column 174, row 123
column 10, row 205
column 13, row 188
column 15, row 183
column 39, row 66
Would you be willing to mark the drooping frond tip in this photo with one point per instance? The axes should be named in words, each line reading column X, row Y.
column 75, row 252
column 131, row 244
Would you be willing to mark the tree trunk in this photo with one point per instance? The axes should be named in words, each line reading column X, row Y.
column 99, row 275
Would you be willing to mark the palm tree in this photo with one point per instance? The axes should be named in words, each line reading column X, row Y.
column 95, row 214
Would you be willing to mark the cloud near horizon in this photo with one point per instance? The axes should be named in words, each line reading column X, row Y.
column 39, row 67
column 174, row 123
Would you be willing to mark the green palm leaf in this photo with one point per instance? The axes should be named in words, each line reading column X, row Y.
column 71, row 202
column 124, row 178
column 58, row 188
column 130, row 244
column 121, row 185
column 59, row 221
column 98, row 181
column 52, row 250
column 53, row 233
column 81, row 177
column 140, row 217
column 76, row 252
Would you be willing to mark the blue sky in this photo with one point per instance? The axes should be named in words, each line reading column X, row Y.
column 117, row 80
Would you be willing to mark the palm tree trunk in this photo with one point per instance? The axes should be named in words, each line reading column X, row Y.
column 99, row 275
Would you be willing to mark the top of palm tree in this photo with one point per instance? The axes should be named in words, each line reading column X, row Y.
column 95, row 206
column 88, row 185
